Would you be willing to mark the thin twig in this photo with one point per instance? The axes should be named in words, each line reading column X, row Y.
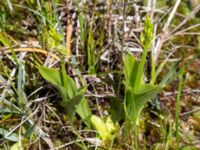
column 165, row 29
column 15, row 128
column 10, row 5
column 161, row 38
column 196, row 10
column 190, row 112
column 29, row 49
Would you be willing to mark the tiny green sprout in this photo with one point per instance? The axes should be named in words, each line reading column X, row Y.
column 107, row 129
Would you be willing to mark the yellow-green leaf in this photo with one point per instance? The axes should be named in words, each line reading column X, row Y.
column 101, row 127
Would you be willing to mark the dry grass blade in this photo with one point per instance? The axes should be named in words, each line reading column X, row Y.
column 68, row 37
column 33, row 50
column 165, row 33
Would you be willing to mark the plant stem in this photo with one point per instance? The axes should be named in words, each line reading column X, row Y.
column 135, row 135
column 153, row 68
column 178, row 105
column 141, row 68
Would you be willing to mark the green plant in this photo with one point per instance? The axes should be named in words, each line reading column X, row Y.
column 101, row 127
column 73, row 99
column 107, row 130
column 54, row 41
column 88, row 42
column 45, row 15
column 91, row 51
column 11, row 137
column 138, row 93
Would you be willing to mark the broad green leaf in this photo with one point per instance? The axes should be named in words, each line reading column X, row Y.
column 101, row 127
column 16, row 146
column 129, row 104
column 131, row 66
column 135, row 101
column 63, row 93
column 83, row 110
column 117, row 112
column 141, row 99
column 12, row 137
column 72, row 104
column 51, row 74
column 62, row 81
column 145, row 88
column 136, row 97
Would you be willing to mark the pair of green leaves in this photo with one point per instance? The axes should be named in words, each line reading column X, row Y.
column 136, row 95
column 73, row 99
column 137, row 92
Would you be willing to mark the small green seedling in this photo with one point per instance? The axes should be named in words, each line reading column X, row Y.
column 54, row 41
column 73, row 99
column 106, row 129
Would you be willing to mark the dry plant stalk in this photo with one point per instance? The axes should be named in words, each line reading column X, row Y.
column 29, row 49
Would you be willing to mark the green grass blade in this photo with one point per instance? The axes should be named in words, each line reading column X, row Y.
column 177, row 118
